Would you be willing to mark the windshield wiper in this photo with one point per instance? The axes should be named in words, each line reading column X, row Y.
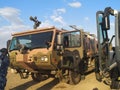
column 36, row 47
column 13, row 49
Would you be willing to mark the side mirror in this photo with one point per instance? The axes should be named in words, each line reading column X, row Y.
column 59, row 42
column 59, row 45
column 106, row 23
column 59, row 39
column 8, row 43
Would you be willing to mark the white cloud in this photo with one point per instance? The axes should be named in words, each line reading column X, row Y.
column 6, row 31
column 61, row 10
column 57, row 16
column 58, row 19
column 46, row 23
column 86, row 18
column 16, row 24
column 11, row 15
column 75, row 4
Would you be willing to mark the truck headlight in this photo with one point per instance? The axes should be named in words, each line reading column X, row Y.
column 44, row 59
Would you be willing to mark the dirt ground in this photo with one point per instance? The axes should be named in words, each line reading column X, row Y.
column 14, row 82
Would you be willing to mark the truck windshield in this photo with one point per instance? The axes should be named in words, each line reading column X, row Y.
column 32, row 41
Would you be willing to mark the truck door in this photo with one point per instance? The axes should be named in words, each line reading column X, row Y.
column 103, row 42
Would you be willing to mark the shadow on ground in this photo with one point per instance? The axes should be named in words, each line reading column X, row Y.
column 26, row 85
column 49, row 85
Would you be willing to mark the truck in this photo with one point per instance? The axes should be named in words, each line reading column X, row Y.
column 52, row 52
column 107, row 67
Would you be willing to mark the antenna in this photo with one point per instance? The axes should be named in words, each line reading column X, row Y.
column 74, row 27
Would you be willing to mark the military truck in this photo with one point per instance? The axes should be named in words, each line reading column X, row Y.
column 108, row 58
column 58, row 53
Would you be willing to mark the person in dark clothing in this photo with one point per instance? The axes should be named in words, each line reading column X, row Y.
column 4, row 63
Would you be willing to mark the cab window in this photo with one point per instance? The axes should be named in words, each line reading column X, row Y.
column 71, row 39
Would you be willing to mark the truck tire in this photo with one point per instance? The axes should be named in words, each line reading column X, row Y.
column 36, row 77
column 115, row 84
column 75, row 77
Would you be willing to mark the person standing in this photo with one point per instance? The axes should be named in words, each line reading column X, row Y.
column 4, row 63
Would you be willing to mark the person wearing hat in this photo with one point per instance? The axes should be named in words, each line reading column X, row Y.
column 4, row 63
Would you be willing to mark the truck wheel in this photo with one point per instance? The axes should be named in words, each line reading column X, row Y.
column 36, row 77
column 75, row 77
column 115, row 84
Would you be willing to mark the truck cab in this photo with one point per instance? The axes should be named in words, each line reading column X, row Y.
column 34, row 50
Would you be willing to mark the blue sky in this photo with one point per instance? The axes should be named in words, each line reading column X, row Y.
column 14, row 14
